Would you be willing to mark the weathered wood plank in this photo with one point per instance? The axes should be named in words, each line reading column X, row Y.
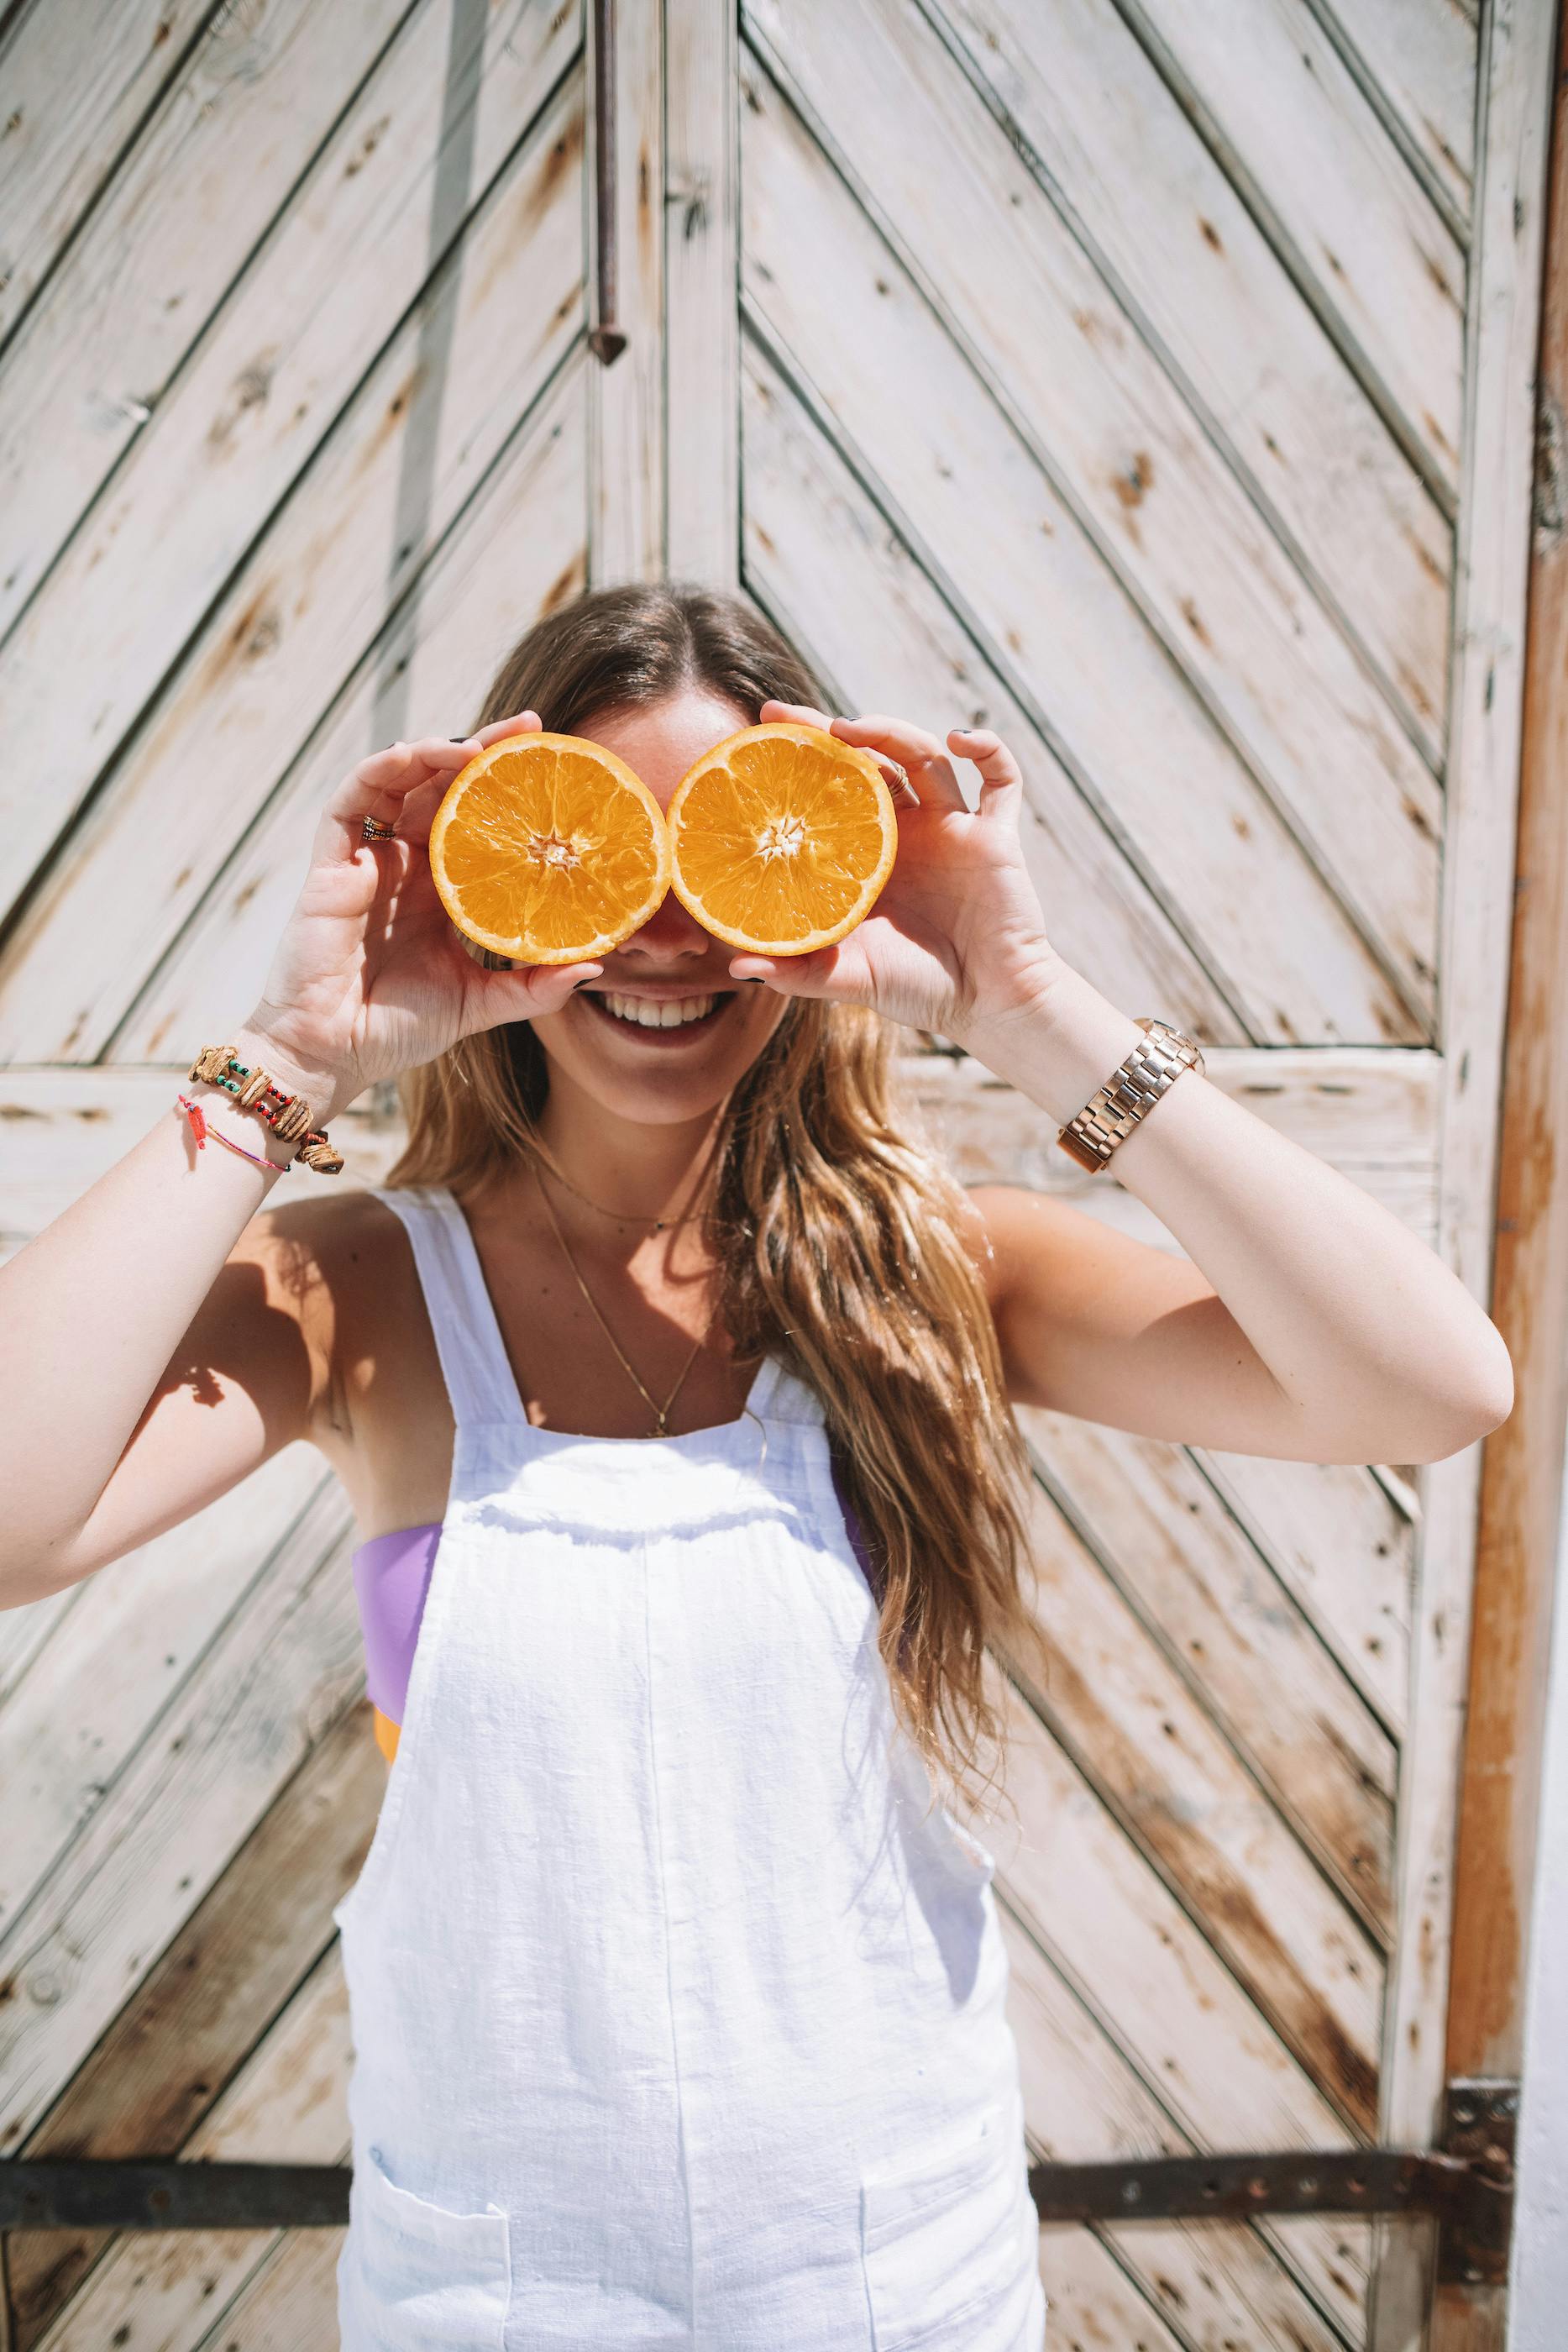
column 1252, row 1658
column 892, row 636
column 68, row 1124
column 1151, row 1751
column 24, row 1632
column 1494, row 540
column 702, row 323
column 1421, row 57
column 290, row 2305
column 517, row 551
column 1336, row 1539
column 191, row 2023
column 309, row 603
column 1162, row 219
column 1157, row 1987
column 1277, row 103
column 159, row 254
column 287, row 2104
column 1085, row 2104
column 69, row 106
column 1368, row 1113
column 1041, row 598
column 121, row 1657
column 626, row 433
column 1000, row 279
column 265, row 1690
column 1089, row 2296
column 243, row 420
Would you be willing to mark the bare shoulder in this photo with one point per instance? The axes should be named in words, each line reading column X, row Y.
column 315, row 1259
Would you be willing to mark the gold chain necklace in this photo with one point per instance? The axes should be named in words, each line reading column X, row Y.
column 622, row 1217
column 661, row 1412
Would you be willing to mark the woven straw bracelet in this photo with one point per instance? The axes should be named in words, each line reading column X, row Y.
column 289, row 1115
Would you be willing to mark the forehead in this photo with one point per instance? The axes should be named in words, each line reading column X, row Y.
column 660, row 742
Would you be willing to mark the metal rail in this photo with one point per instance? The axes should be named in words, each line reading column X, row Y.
column 1466, row 2186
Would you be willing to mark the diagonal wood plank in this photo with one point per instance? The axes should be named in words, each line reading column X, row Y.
column 1336, row 1539
column 1253, row 1659
column 70, row 105
column 517, row 551
column 1085, row 2105
column 311, row 597
column 1000, row 279
column 264, row 387
column 1166, row 224
column 1157, row 1987
column 287, row 2105
column 895, row 639
column 262, row 1695
column 177, row 227
column 1111, row 1698
column 290, row 2305
column 1284, row 117
column 191, row 2026
column 1420, row 57
column 120, row 1658
column 1046, row 611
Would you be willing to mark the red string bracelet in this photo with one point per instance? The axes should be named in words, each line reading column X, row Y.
column 201, row 1131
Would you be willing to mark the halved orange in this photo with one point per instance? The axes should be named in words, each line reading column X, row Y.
column 782, row 837
column 548, row 849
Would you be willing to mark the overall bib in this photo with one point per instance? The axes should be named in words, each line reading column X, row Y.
column 677, row 2006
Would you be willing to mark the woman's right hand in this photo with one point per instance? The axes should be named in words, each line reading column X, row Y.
column 369, row 978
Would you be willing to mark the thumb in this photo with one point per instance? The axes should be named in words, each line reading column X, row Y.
column 524, row 992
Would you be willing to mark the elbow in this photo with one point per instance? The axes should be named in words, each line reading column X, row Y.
column 1471, row 1411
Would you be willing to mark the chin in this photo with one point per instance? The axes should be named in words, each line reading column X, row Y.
column 655, row 1069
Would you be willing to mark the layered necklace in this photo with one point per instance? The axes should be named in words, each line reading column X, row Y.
column 661, row 1412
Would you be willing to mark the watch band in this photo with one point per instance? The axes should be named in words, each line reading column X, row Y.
column 1114, row 1109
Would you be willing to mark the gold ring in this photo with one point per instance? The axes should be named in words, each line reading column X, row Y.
column 372, row 829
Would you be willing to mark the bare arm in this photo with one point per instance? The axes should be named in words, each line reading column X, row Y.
column 1309, row 1324
column 151, row 1351
column 173, row 1328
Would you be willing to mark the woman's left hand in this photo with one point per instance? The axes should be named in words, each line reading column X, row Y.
column 956, row 937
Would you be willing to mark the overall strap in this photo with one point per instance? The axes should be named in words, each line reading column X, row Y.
column 479, row 1380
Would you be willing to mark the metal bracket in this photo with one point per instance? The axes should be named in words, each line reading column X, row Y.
column 1480, row 2124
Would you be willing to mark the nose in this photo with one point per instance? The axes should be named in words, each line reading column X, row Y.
column 669, row 930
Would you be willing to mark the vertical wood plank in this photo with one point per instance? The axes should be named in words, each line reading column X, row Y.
column 626, row 399
column 1521, row 1471
column 702, row 326
column 1488, row 707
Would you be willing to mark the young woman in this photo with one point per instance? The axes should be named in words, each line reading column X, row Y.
column 668, row 1377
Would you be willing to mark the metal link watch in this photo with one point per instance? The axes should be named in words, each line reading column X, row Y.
column 1114, row 1109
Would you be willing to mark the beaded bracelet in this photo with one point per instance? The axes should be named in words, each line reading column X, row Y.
column 289, row 1115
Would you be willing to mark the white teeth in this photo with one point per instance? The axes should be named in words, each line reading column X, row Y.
column 650, row 1012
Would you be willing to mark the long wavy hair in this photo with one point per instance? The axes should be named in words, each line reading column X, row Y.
column 838, row 1235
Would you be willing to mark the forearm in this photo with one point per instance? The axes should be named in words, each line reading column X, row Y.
column 1378, row 1351
column 93, row 1307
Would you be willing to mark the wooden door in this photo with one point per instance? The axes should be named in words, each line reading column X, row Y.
column 1147, row 380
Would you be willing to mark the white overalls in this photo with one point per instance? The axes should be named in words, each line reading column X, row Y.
column 677, row 2010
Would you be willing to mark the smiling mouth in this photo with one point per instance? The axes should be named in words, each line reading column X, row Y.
column 654, row 1016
